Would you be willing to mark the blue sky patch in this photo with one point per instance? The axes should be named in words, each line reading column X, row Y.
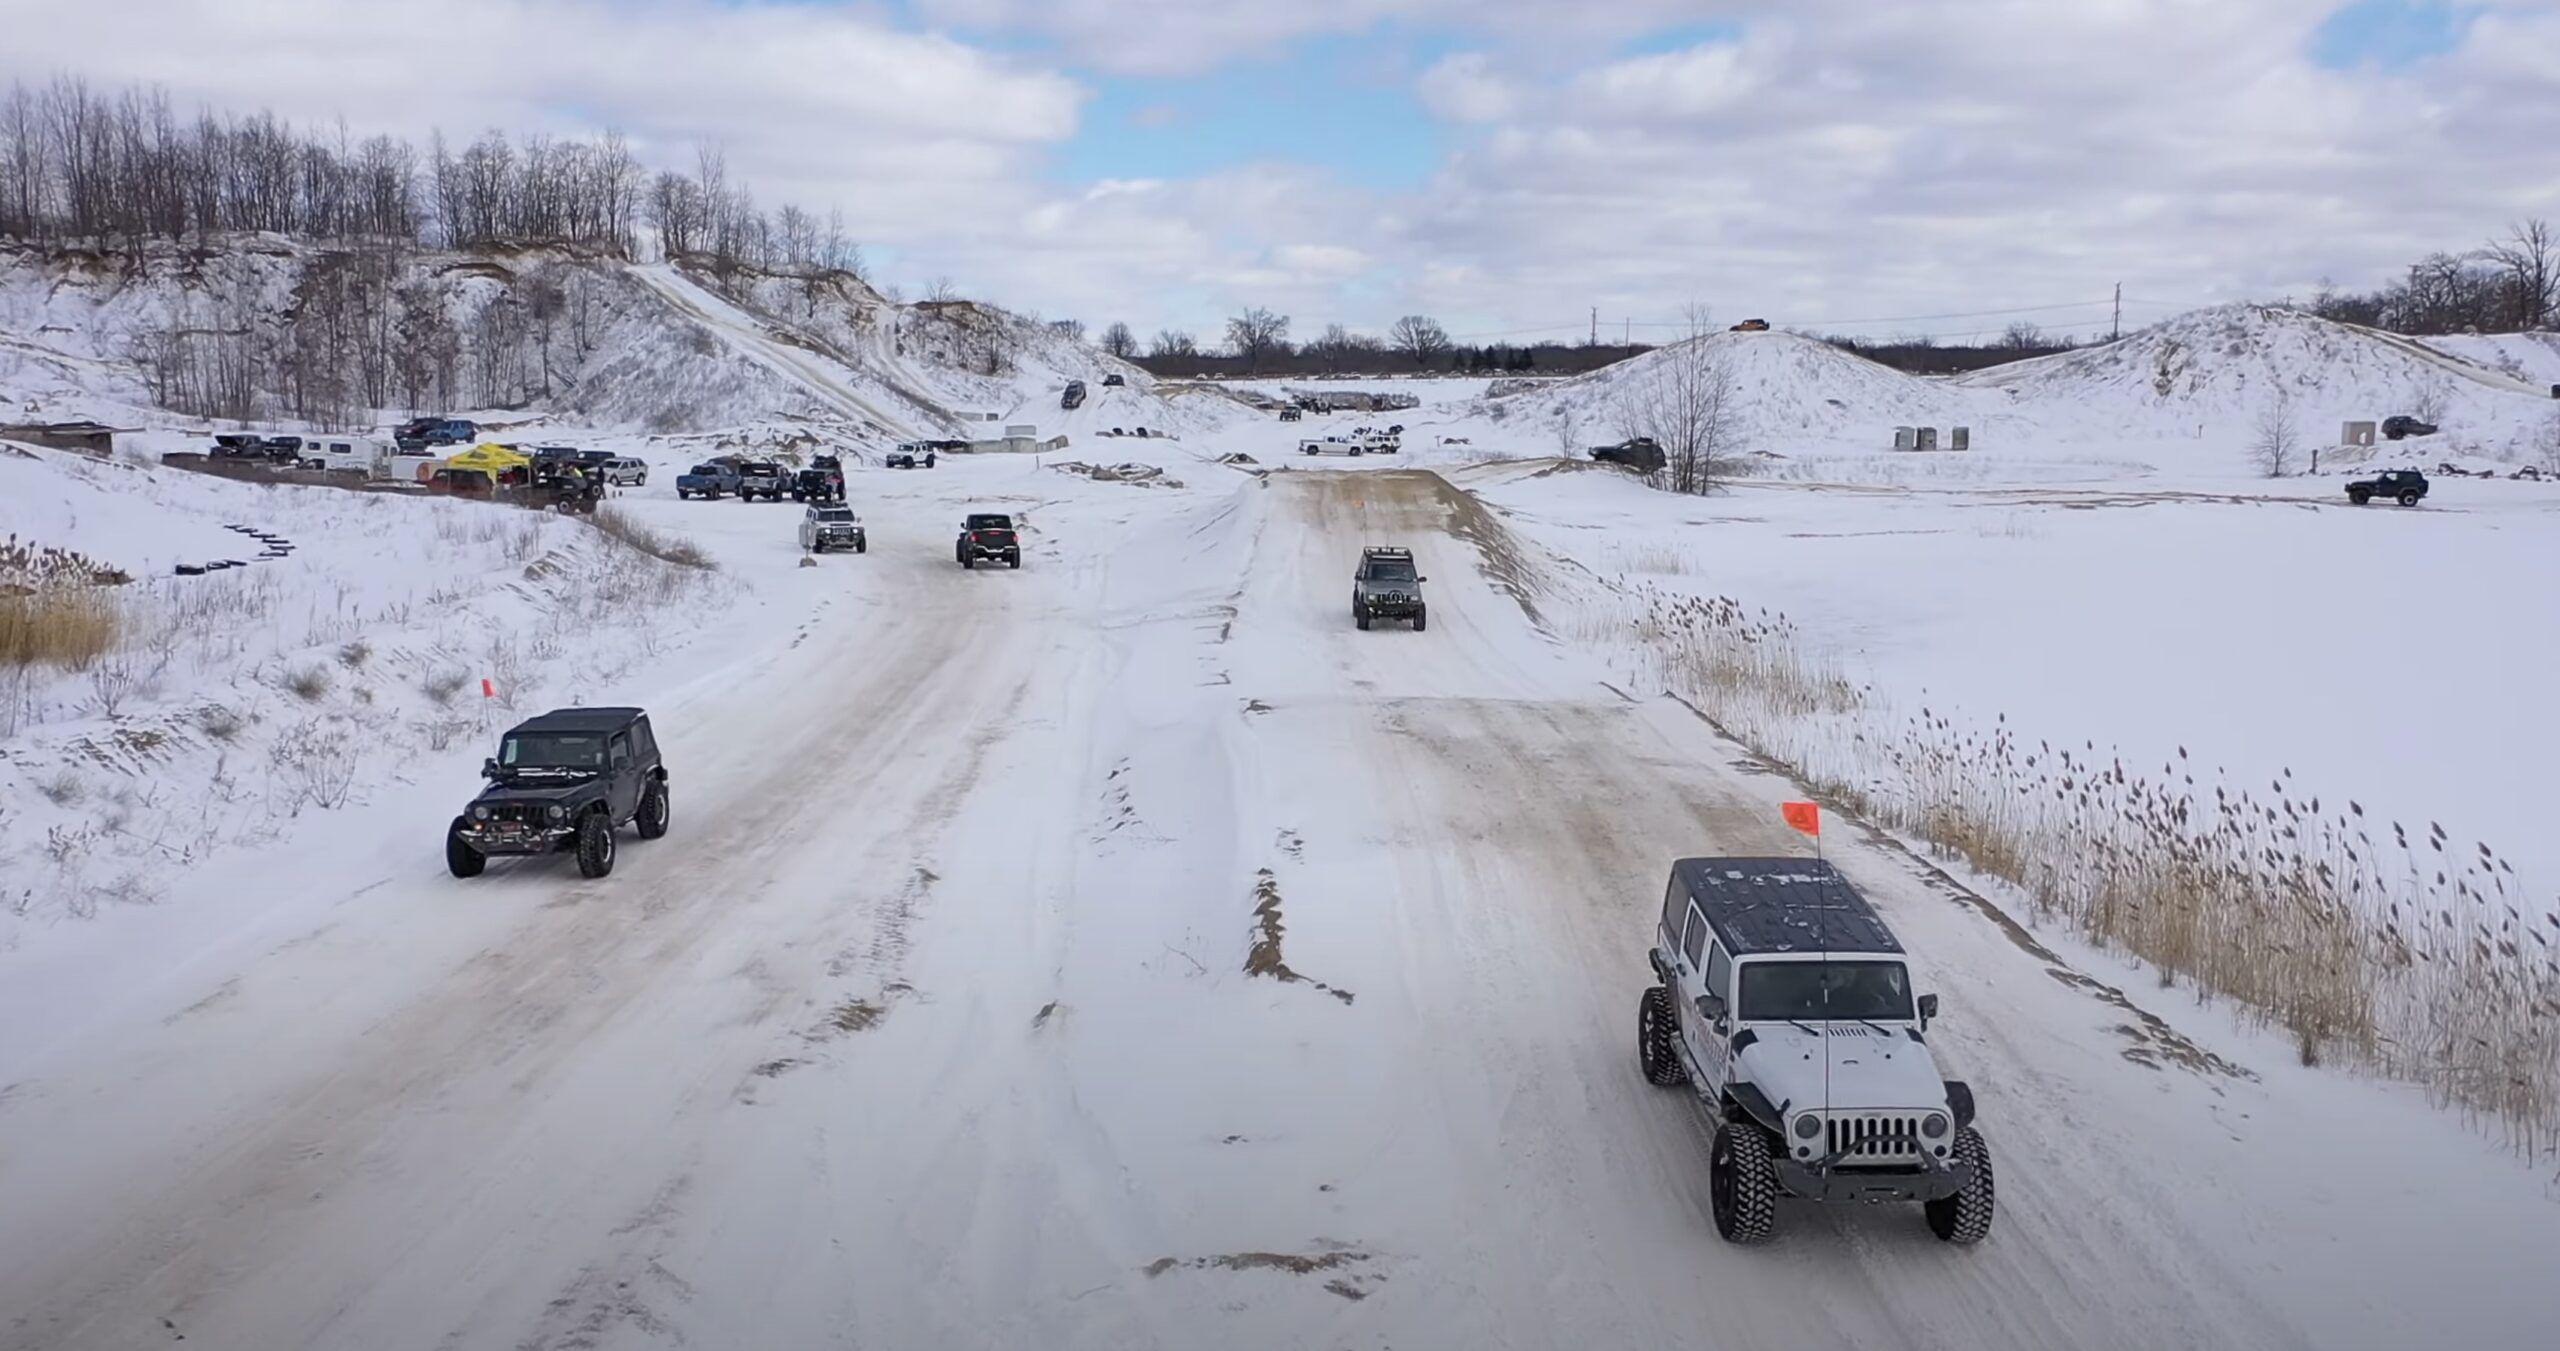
column 2391, row 34
column 1344, row 102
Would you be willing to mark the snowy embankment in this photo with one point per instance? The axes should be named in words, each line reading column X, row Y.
column 2123, row 701
column 253, row 705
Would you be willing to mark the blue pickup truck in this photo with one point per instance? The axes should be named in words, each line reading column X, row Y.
column 710, row 480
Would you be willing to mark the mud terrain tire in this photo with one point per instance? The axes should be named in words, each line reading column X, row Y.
column 1742, row 1183
column 595, row 844
column 460, row 858
column 655, row 812
column 1657, row 1048
column 1965, row 1218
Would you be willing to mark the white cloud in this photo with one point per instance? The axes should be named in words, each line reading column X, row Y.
column 1464, row 88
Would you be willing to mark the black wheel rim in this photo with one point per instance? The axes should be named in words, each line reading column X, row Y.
column 1720, row 1181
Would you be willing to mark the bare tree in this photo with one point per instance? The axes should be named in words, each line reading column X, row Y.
column 1419, row 336
column 2530, row 259
column 1257, row 333
column 1173, row 342
column 1119, row 341
column 2022, row 336
column 1070, row 329
column 2434, row 395
column 941, row 291
column 1686, row 400
column 2277, row 439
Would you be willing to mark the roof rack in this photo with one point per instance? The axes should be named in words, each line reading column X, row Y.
column 1386, row 551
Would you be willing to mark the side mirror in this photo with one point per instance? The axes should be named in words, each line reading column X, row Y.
column 1712, row 1008
column 489, row 768
column 1419, row 580
column 1928, row 1008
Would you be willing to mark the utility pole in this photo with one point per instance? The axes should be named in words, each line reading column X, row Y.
column 1595, row 325
column 2115, row 329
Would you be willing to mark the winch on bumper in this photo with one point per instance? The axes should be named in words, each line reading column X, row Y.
column 1825, row 1179
column 1391, row 604
column 518, row 829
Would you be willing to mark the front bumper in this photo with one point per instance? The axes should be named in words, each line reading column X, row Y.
column 1401, row 607
column 1930, row 1180
column 497, row 837
column 840, row 539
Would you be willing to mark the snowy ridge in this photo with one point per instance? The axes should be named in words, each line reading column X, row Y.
column 1792, row 389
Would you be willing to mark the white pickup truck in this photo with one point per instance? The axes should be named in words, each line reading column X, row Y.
column 1331, row 445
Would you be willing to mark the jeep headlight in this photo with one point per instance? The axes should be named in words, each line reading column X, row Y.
column 1934, row 1125
column 557, row 811
column 1808, row 1126
column 479, row 813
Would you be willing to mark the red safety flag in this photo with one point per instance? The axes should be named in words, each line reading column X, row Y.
column 1804, row 816
column 487, row 690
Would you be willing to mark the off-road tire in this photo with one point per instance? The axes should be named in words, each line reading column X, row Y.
column 1420, row 614
column 460, row 858
column 969, row 562
column 1013, row 561
column 862, row 546
column 1965, row 1218
column 655, row 812
column 595, row 844
column 1657, row 1040
column 1361, row 618
column 2409, row 499
column 683, row 496
column 2359, row 497
column 1742, row 1184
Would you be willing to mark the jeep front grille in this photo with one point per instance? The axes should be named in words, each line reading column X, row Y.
column 1876, row 1137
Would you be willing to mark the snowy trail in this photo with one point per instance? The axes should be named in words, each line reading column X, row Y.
column 822, row 376
column 932, row 1024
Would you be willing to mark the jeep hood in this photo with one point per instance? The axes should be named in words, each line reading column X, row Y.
column 537, row 791
column 1870, row 1069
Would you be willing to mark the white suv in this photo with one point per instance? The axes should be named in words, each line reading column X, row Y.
column 1786, row 1003
column 624, row 472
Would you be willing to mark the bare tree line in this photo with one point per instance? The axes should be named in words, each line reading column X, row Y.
column 83, row 167
column 2508, row 283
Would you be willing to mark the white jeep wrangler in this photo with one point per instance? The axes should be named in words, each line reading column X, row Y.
column 1786, row 1003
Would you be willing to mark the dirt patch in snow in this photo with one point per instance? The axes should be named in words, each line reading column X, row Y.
column 1264, row 958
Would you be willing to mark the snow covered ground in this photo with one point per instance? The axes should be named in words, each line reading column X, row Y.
column 1126, row 952
column 935, row 1021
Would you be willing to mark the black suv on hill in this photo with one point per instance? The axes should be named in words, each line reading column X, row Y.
column 989, row 538
column 562, row 782
column 1387, row 587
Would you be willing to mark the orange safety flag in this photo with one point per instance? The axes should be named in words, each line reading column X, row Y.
column 1804, row 816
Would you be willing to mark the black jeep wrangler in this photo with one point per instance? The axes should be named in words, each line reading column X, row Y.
column 562, row 782
column 2404, row 486
column 988, row 536
column 822, row 481
column 1643, row 455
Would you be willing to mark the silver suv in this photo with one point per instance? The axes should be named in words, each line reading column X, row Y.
column 1387, row 587
column 1786, row 1003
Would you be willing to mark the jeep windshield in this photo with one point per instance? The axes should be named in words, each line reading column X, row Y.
column 990, row 523
column 1778, row 992
column 1398, row 571
column 836, row 516
column 552, row 752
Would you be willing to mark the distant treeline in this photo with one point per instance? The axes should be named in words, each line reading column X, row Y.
column 1499, row 359
column 2510, row 284
column 81, row 167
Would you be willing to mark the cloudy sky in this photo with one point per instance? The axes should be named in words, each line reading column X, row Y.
column 1875, row 166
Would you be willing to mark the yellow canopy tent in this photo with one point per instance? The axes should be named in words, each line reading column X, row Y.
column 488, row 459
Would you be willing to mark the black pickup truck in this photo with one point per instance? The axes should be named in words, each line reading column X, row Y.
column 2404, row 486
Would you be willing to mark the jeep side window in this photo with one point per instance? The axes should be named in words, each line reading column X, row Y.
column 1719, row 971
column 1694, row 946
column 620, row 750
column 1673, row 898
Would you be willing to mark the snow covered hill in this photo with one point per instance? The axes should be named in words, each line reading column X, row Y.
column 1793, row 391
column 265, row 330
column 2211, row 372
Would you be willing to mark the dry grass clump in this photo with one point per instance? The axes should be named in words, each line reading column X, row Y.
column 56, row 608
column 618, row 524
column 2394, row 950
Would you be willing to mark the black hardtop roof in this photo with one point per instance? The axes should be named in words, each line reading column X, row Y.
column 1762, row 905
column 580, row 720
column 989, row 520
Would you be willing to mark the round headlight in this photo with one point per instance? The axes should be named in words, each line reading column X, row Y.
column 1934, row 1125
column 1808, row 1126
column 558, row 811
column 479, row 813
